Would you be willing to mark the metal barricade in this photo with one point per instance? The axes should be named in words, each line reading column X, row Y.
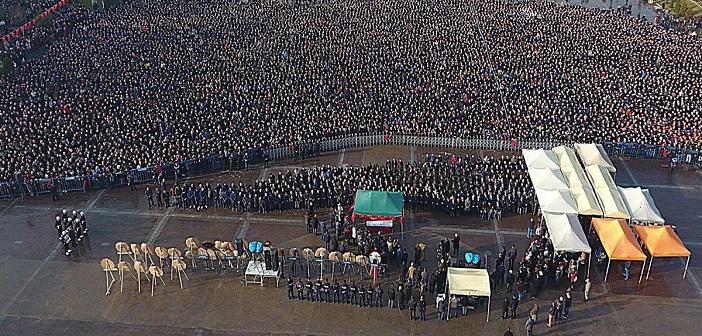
column 143, row 175
column 7, row 190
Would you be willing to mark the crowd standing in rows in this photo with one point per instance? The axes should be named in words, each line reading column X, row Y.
column 162, row 81
column 486, row 186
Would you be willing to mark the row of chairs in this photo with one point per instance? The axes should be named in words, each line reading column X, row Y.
column 138, row 260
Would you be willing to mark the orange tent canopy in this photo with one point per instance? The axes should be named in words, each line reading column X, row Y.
column 618, row 240
column 661, row 241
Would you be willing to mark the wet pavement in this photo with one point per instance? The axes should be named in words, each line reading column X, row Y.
column 45, row 293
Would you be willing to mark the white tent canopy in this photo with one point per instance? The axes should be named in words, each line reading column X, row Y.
column 548, row 179
column 557, row 201
column 586, row 201
column 566, row 233
column 607, row 192
column 580, row 188
column 640, row 205
column 540, row 159
column 595, row 155
column 469, row 281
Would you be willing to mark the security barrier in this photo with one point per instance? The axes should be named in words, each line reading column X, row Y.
column 256, row 156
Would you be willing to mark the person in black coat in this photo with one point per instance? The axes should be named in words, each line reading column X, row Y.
column 505, row 308
column 513, row 305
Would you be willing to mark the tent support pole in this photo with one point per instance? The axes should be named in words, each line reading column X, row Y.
column 447, row 299
column 589, row 261
column 607, row 272
column 488, row 313
column 686, row 264
column 649, row 268
column 642, row 270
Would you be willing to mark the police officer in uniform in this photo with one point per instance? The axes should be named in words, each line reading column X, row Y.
column 70, row 226
column 327, row 291
column 290, row 289
column 83, row 224
column 354, row 290
column 308, row 289
column 66, row 241
column 77, row 231
column 361, row 295
column 335, row 292
column 300, row 289
column 378, row 296
column 59, row 226
column 369, row 295
column 345, row 293
column 318, row 290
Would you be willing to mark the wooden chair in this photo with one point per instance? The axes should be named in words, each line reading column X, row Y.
column 308, row 255
column 162, row 254
column 180, row 266
column 122, row 249
column 139, row 268
column 334, row 258
column 174, row 255
column 212, row 258
column 136, row 252
column 192, row 245
column 108, row 266
column 156, row 272
column 148, row 250
column 122, row 266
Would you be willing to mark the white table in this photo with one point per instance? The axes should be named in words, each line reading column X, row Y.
column 256, row 271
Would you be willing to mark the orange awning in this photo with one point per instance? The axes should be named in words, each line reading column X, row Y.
column 661, row 241
column 618, row 240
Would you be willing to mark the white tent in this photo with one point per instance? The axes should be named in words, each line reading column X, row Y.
column 580, row 188
column 548, row 179
column 640, row 205
column 595, row 155
column 558, row 201
column 566, row 233
column 469, row 281
column 607, row 192
column 540, row 158
column 586, row 201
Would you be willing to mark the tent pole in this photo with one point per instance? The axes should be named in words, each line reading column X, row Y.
column 488, row 313
column 642, row 270
column 447, row 299
column 649, row 268
column 607, row 272
column 686, row 264
column 589, row 261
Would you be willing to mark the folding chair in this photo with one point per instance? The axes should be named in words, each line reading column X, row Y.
column 108, row 266
column 156, row 272
column 180, row 266
column 123, row 249
column 123, row 266
column 139, row 268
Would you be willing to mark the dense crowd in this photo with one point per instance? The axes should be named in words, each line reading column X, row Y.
column 156, row 81
column 458, row 185
column 57, row 26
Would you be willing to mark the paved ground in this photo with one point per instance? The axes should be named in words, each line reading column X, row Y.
column 45, row 293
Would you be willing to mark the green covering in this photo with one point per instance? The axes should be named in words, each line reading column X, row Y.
column 379, row 203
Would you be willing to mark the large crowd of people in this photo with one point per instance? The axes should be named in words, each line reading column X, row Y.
column 486, row 186
column 161, row 81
